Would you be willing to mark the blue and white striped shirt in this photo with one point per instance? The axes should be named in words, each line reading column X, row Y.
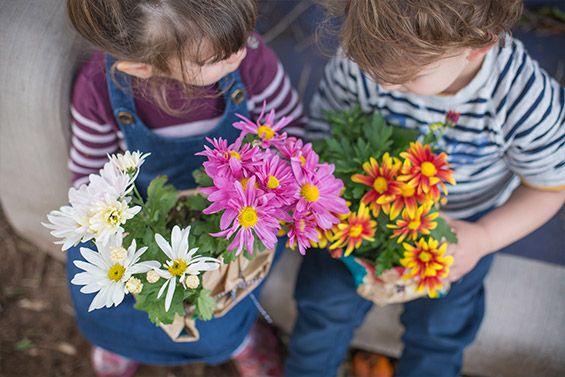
column 511, row 127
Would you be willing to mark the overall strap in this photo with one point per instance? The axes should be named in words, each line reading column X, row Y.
column 120, row 92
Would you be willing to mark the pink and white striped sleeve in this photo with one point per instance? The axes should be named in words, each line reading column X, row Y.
column 92, row 134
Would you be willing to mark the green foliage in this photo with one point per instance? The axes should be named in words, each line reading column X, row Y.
column 201, row 179
column 443, row 231
column 204, row 305
column 147, row 301
column 355, row 138
column 162, row 210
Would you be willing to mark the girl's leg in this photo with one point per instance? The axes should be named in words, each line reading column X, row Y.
column 329, row 310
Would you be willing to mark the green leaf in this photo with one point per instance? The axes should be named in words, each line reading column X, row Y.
column 201, row 178
column 147, row 301
column 196, row 202
column 402, row 137
column 229, row 256
column 205, row 305
column 161, row 198
column 443, row 231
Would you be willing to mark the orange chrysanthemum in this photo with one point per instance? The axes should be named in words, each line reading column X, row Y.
column 427, row 264
column 358, row 227
column 425, row 170
column 407, row 199
column 413, row 224
column 382, row 180
column 324, row 238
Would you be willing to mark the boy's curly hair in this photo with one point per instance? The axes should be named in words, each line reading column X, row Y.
column 392, row 40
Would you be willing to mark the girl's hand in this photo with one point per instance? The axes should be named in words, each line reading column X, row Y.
column 473, row 244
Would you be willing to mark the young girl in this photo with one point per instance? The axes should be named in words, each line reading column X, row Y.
column 172, row 72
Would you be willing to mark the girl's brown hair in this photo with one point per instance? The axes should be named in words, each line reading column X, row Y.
column 392, row 40
column 155, row 32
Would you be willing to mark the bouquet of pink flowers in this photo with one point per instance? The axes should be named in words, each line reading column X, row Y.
column 174, row 251
column 272, row 184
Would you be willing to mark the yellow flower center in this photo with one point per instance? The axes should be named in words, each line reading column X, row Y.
column 380, row 185
column 247, row 217
column 265, row 132
column 273, row 182
column 414, row 224
column 116, row 272
column 425, row 256
column 113, row 216
column 309, row 192
column 243, row 182
column 178, row 267
column 356, row 230
column 428, row 169
column 302, row 160
column 232, row 154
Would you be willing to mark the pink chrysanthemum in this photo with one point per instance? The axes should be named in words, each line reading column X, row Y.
column 302, row 157
column 320, row 193
column 219, row 194
column 275, row 176
column 302, row 232
column 265, row 128
column 250, row 213
column 234, row 159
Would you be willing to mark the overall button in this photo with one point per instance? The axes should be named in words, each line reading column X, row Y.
column 125, row 118
column 238, row 96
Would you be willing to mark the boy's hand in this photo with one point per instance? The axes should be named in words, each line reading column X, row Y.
column 473, row 244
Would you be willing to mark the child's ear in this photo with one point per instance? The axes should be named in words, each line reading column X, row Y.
column 480, row 52
column 139, row 70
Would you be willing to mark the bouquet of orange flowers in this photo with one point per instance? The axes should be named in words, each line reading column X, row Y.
column 393, row 240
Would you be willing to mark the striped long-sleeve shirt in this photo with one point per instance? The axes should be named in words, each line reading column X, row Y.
column 511, row 128
column 95, row 132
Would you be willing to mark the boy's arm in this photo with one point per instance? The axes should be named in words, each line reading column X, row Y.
column 526, row 210
column 337, row 91
column 534, row 131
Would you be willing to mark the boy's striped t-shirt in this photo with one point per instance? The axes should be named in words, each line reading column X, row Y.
column 94, row 132
column 511, row 127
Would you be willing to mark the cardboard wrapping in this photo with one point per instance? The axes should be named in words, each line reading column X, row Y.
column 230, row 284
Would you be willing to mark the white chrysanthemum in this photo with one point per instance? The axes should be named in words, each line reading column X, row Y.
column 106, row 277
column 72, row 223
column 181, row 263
column 108, row 215
column 129, row 162
column 96, row 210
column 110, row 181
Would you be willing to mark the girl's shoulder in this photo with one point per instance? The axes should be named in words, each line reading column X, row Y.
column 260, row 67
column 90, row 92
